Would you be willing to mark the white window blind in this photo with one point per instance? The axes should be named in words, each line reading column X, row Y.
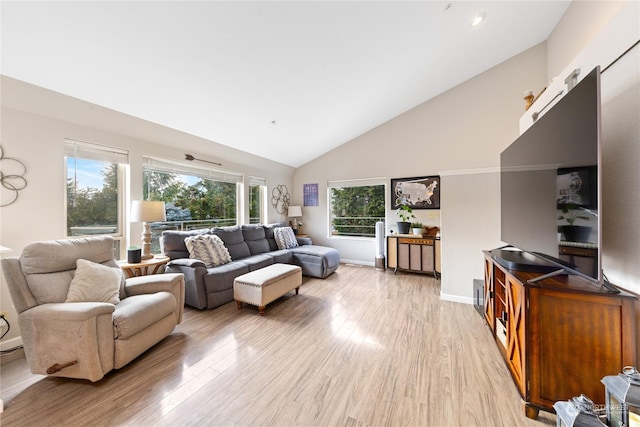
column 257, row 182
column 170, row 166
column 102, row 153
column 360, row 182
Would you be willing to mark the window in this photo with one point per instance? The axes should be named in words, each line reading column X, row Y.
column 355, row 206
column 95, row 189
column 257, row 200
column 195, row 197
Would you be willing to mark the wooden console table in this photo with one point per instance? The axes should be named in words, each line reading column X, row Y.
column 407, row 252
column 558, row 336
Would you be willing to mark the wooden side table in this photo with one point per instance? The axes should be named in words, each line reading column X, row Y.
column 144, row 267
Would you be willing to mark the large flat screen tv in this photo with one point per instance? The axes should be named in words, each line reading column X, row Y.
column 550, row 186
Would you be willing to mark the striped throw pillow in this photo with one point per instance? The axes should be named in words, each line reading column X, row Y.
column 285, row 238
column 208, row 248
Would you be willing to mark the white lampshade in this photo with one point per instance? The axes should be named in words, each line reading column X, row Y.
column 294, row 211
column 147, row 211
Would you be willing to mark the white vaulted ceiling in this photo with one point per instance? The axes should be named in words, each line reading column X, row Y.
column 288, row 81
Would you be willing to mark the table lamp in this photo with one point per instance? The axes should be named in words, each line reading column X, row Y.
column 147, row 211
column 294, row 212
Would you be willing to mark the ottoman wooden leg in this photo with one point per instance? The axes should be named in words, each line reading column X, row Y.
column 261, row 310
column 239, row 305
column 297, row 289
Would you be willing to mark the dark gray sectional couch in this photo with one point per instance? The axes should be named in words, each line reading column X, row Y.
column 251, row 247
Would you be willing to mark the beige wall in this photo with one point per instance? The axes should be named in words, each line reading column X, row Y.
column 38, row 138
column 621, row 173
column 459, row 132
column 580, row 23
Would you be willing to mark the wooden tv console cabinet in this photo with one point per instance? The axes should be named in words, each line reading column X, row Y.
column 559, row 336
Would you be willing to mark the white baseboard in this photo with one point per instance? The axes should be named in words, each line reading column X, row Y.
column 358, row 262
column 10, row 344
column 456, row 298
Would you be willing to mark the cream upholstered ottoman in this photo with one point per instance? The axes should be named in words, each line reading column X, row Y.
column 260, row 287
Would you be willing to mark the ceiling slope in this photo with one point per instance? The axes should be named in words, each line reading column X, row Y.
column 287, row 81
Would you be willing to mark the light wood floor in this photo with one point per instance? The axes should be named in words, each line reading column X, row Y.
column 359, row 348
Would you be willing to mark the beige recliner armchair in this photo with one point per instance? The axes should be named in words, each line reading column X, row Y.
column 87, row 339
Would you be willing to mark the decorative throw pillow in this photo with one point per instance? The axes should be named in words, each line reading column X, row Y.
column 95, row 282
column 208, row 248
column 285, row 237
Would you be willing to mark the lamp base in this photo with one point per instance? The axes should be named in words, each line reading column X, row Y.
column 146, row 242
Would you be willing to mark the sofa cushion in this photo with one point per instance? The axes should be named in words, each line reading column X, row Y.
column 285, row 238
column 316, row 261
column 256, row 262
column 233, row 240
column 173, row 245
column 208, row 248
column 284, row 256
column 135, row 313
column 95, row 282
column 220, row 278
column 254, row 237
column 268, row 234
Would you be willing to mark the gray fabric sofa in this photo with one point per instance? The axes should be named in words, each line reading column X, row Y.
column 251, row 247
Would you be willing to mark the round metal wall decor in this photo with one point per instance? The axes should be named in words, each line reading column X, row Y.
column 12, row 179
column 280, row 198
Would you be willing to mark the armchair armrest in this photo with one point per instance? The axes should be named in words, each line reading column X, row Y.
column 168, row 282
column 65, row 332
column 69, row 312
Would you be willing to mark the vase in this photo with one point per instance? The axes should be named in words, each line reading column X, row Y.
column 403, row 227
column 576, row 233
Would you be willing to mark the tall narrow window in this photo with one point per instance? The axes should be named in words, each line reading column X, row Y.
column 355, row 206
column 95, row 189
column 257, row 194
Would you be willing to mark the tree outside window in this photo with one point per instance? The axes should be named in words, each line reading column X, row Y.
column 355, row 209
column 192, row 198
column 95, row 183
column 92, row 197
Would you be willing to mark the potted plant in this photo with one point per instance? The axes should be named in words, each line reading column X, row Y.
column 416, row 227
column 574, row 233
column 405, row 213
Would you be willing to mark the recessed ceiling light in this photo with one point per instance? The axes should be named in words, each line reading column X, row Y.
column 478, row 19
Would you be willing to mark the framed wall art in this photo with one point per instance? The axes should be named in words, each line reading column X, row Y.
column 310, row 194
column 417, row 192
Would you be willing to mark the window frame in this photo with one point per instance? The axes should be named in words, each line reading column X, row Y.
column 103, row 153
column 261, row 183
column 158, row 164
column 360, row 182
